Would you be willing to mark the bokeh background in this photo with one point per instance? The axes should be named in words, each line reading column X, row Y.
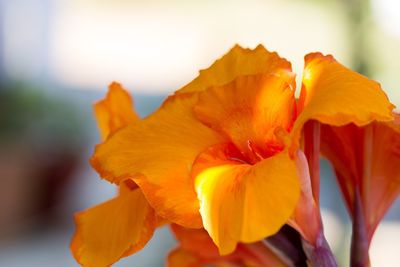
column 58, row 56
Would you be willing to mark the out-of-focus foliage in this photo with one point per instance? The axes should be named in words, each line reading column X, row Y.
column 42, row 138
column 26, row 112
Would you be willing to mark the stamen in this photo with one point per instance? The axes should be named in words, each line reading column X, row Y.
column 251, row 147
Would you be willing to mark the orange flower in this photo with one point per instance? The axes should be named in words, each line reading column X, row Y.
column 123, row 225
column 220, row 152
column 366, row 161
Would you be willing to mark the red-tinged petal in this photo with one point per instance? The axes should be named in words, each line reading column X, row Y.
column 237, row 62
column 366, row 158
column 343, row 147
column 249, row 110
column 161, row 148
column 241, row 202
column 114, row 229
column 396, row 118
column 306, row 217
column 335, row 95
column 384, row 187
column 114, row 111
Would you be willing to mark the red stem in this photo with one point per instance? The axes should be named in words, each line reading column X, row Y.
column 320, row 254
column 359, row 240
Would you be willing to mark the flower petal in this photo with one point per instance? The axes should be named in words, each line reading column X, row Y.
column 197, row 249
column 115, row 111
column 379, row 180
column 384, row 187
column 114, row 229
column 306, row 218
column 244, row 203
column 335, row 95
column 238, row 61
column 180, row 257
column 162, row 149
column 343, row 146
column 196, row 240
column 249, row 110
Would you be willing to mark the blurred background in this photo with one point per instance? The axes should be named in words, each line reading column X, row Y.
column 58, row 57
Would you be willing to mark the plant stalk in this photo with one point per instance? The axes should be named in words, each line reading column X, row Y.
column 321, row 254
column 359, row 239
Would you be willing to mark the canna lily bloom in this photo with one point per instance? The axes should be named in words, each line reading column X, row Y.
column 124, row 224
column 219, row 154
column 130, row 222
column 365, row 160
column 196, row 249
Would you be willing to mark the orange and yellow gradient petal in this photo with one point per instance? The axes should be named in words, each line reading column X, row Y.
column 237, row 62
column 115, row 111
column 332, row 94
column 161, row 149
column 114, row 229
column 241, row 202
column 248, row 110
column 123, row 225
